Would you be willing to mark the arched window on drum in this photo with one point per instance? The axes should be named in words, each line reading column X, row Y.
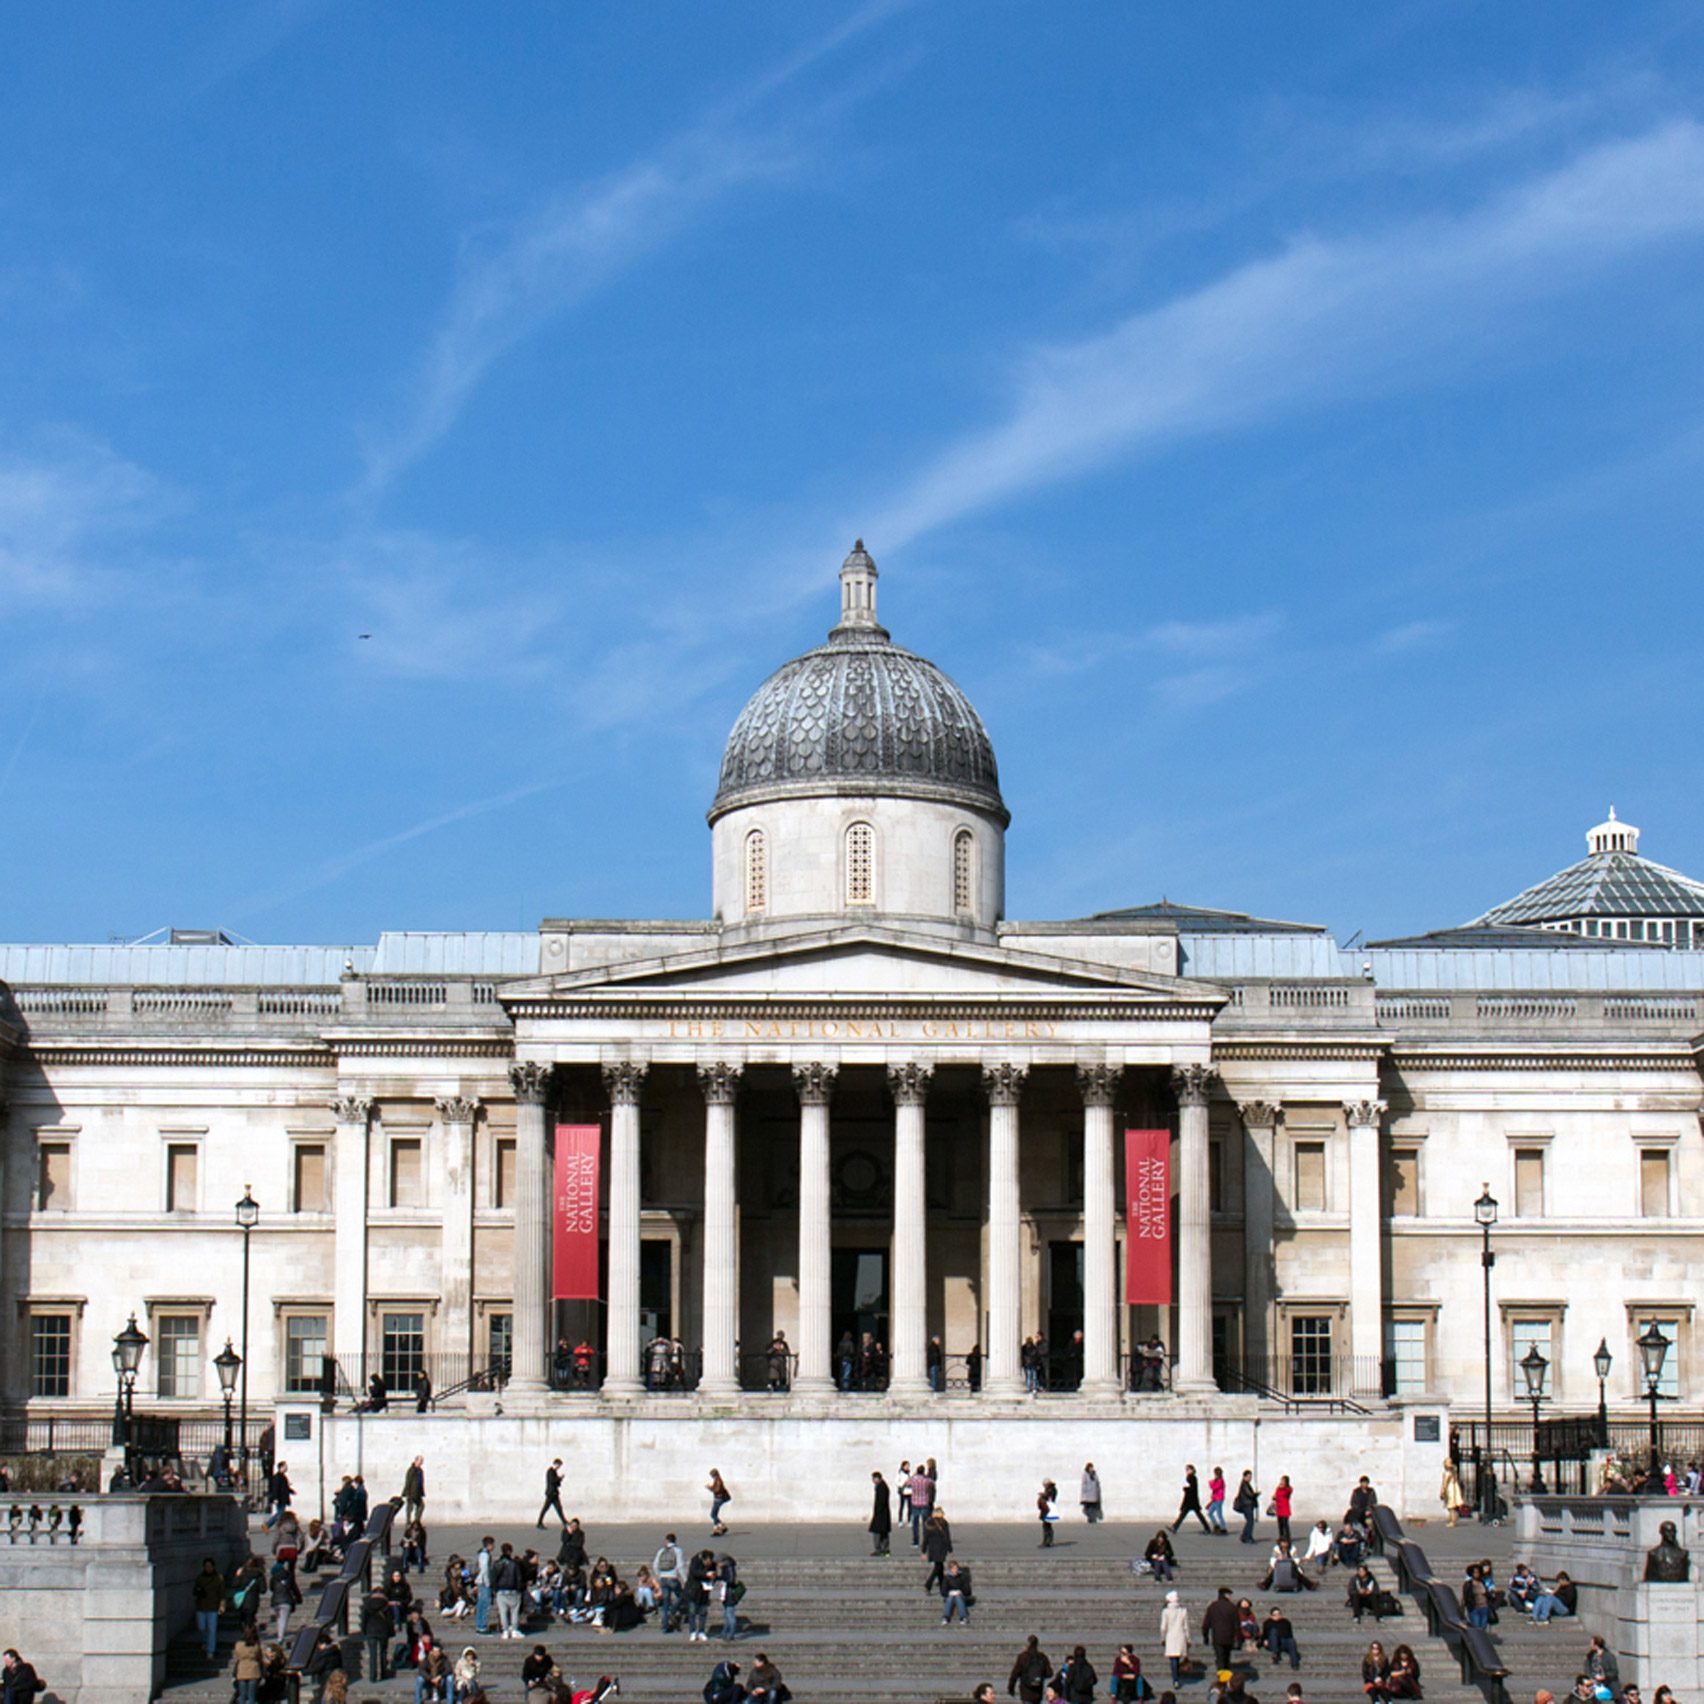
column 756, row 872
column 964, row 872
column 860, row 864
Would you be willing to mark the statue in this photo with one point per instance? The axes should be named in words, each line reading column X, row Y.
column 1667, row 1560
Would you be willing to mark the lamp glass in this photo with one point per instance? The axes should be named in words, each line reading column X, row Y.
column 1534, row 1366
column 1653, row 1349
column 1485, row 1208
column 248, row 1211
column 227, row 1364
column 1603, row 1360
column 127, row 1348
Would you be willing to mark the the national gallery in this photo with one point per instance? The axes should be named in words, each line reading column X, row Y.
column 860, row 1109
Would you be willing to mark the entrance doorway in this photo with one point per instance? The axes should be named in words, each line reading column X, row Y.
column 1064, row 1314
column 859, row 1297
column 656, row 1289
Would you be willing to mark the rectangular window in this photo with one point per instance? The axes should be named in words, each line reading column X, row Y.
column 304, row 1347
column 1654, row 1182
column 1216, row 1176
column 1669, row 1383
column 407, row 1179
column 1405, row 1350
column 1310, row 1177
column 1404, row 1182
column 1529, row 1183
column 402, row 1347
column 177, row 1354
column 501, row 1340
column 1310, row 1354
column 50, row 1354
column 310, row 1178
column 503, row 1184
column 1523, row 1335
column 181, row 1166
column 53, row 1177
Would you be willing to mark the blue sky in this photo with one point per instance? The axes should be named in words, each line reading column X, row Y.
column 1283, row 422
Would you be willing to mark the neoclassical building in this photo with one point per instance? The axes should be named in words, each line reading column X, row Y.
column 859, row 1099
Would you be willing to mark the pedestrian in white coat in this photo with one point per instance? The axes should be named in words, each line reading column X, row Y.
column 1174, row 1635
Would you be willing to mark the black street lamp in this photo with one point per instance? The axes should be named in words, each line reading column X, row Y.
column 127, row 1349
column 1602, row 1361
column 1533, row 1368
column 1653, row 1350
column 227, row 1364
column 1485, row 1215
column 248, row 1216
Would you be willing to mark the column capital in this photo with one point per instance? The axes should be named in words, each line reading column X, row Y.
column 720, row 1081
column 814, row 1082
column 1193, row 1084
column 1261, row 1114
column 530, row 1081
column 624, row 1079
column 1004, row 1083
column 1363, row 1112
column 351, row 1109
column 456, row 1109
column 909, row 1082
column 1098, row 1084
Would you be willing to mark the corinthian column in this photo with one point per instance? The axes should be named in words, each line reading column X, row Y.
column 815, row 1084
column 1004, row 1085
column 531, row 1083
column 720, row 1083
column 1366, row 1259
column 625, row 1081
column 456, row 1232
column 1193, row 1084
column 349, row 1285
column 1260, row 1120
column 1098, row 1085
column 909, row 1325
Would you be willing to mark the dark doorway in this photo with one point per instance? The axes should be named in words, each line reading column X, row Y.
column 656, row 1289
column 860, row 1299
column 1064, row 1314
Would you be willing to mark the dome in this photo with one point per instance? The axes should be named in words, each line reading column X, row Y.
column 859, row 714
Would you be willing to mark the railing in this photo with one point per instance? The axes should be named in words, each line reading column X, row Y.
column 332, row 1610
column 62, row 1002
column 1651, row 1008
column 298, row 1002
column 1412, row 1008
column 1526, row 1006
column 400, row 1389
column 1343, row 1381
column 1305, row 997
column 181, row 1003
column 407, row 994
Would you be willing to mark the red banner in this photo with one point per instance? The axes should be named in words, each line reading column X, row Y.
column 1147, row 1216
column 574, row 1217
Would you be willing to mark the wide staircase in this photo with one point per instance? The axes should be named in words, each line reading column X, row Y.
column 862, row 1628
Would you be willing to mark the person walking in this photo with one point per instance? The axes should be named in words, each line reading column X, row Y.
column 1089, row 1493
column 1174, row 1635
column 669, row 1566
column 285, row 1595
column 1047, row 1510
column 920, row 1495
column 553, row 1493
column 245, row 1665
column 1450, row 1493
column 1031, row 1671
column 1216, row 1501
column 1282, row 1495
column 1191, row 1501
column 1221, row 1627
column 1247, row 1504
column 720, row 1498
column 507, row 1584
column 377, row 1625
column 279, row 1492
column 414, row 1490
column 881, row 1515
column 209, row 1594
column 1079, row 1677
column 937, row 1547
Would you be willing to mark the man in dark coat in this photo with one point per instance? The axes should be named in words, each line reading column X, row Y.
column 881, row 1515
column 1191, row 1505
column 937, row 1547
column 1220, row 1627
column 279, row 1492
column 414, row 1489
column 553, row 1492
column 1030, row 1673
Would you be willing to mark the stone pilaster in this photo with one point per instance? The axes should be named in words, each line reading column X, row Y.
column 528, row 1375
column 1004, row 1086
column 1260, row 1282
column 909, row 1327
column 815, row 1085
column 625, row 1081
column 1366, row 1256
column 1098, row 1085
column 349, row 1256
column 455, row 1335
column 720, row 1083
column 1194, row 1373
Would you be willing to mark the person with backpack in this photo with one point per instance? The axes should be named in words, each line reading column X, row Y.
column 1031, row 1672
column 285, row 1594
column 669, row 1566
column 507, row 1583
column 1077, row 1678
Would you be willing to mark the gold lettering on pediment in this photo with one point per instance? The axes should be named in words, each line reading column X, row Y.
column 861, row 1029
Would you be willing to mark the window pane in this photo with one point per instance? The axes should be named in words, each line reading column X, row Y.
column 1529, row 1183
column 1523, row 1334
column 1654, row 1183
column 177, row 1354
column 304, row 1345
column 1405, row 1349
column 1310, row 1354
column 501, row 1339
column 407, row 1183
column 180, row 1177
column 1669, row 1383
column 402, row 1349
column 50, row 1355
column 310, row 1178
column 1405, row 1181
column 1215, row 1176
column 505, row 1189
column 1310, row 1177
column 53, row 1180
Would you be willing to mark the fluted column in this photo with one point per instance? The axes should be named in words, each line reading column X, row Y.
column 1098, row 1085
column 720, row 1083
column 1260, row 1121
column 625, row 1081
column 909, row 1324
column 531, row 1083
column 1194, row 1372
column 815, row 1085
column 1366, row 1257
column 1004, row 1086
column 456, row 1232
column 349, row 1255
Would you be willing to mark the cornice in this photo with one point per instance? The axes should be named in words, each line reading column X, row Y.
column 871, row 1008
column 143, row 1053
column 1335, row 1051
column 1505, row 1059
column 423, row 1047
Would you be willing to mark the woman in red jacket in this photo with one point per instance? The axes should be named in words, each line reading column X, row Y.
column 1281, row 1496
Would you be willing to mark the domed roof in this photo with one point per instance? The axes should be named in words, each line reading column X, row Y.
column 859, row 714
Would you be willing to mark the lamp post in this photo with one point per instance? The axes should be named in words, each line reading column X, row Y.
column 1533, row 1368
column 1485, row 1215
column 248, row 1216
column 227, row 1364
column 1653, row 1350
column 1602, row 1361
column 127, row 1349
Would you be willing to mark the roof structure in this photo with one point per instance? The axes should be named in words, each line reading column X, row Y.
column 1499, row 937
column 1605, row 884
column 1205, row 920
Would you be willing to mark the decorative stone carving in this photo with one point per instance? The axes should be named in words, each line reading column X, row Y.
column 720, row 1081
column 1004, row 1083
column 1193, row 1084
column 1261, row 1115
column 1668, row 1561
column 1364, row 1112
column 814, row 1082
column 624, row 1079
column 909, row 1082
column 1098, row 1084
column 457, row 1109
column 351, row 1109
column 530, row 1081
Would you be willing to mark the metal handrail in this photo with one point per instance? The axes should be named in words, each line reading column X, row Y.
column 333, row 1607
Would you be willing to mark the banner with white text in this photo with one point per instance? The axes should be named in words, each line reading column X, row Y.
column 575, row 1213
column 1147, row 1217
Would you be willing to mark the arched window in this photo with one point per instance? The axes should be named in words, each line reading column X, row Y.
column 860, row 864
column 756, row 872
column 964, row 872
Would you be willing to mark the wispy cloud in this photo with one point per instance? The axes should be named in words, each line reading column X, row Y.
column 1327, row 317
column 1413, row 636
